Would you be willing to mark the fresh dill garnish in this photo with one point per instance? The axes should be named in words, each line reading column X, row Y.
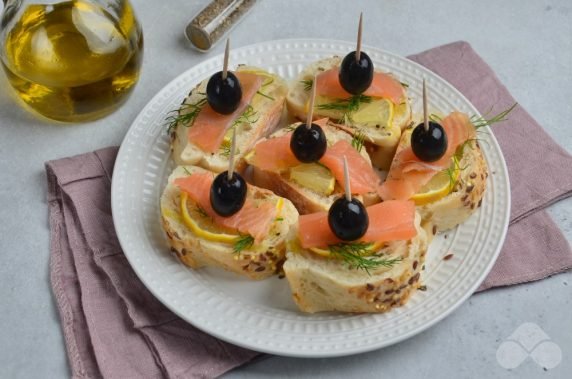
column 264, row 95
column 279, row 219
column 269, row 82
column 201, row 211
column 354, row 254
column 347, row 106
column 247, row 117
column 435, row 118
column 186, row 119
column 243, row 242
column 307, row 84
column 187, row 171
column 404, row 84
column 358, row 139
column 225, row 150
column 480, row 121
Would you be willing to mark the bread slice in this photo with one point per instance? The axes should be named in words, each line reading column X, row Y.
column 306, row 200
column 466, row 196
column 322, row 284
column 269, row 110
column 259, row 261
column 380, row 140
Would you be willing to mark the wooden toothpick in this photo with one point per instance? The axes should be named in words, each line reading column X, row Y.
column 347, row 180
column 225, row 63
column 425, row 114
column 358, row 48
column 231, row 158
column 311, row 109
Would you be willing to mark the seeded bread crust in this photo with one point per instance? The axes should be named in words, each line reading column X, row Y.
column 269, row 114
column 380, row 144
column 304, row 199
column 258, row 262
column 321, row 284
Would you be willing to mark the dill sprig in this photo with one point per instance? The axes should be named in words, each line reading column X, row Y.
column 354, row 254
column 187, row 171
column 435, row 118
column 358, row 139
column 347, row 106
column 242, row 242
column 247, row 117
column 186, row 119
column 201, row 211
column 404, row 84
column 307, row 84
column 265, row 95
column 225, row 150
column 480, row 121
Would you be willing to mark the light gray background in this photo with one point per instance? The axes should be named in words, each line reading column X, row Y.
column 529, row 45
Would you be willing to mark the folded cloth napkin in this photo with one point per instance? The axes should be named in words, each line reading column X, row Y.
column 114, row 327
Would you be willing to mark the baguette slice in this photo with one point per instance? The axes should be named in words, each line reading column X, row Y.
column 321, row 284
column 269, row 111
column 380, row 142
column 304, row 199
column 197, row 250
column 467, row 193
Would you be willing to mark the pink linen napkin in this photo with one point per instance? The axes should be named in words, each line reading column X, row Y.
column 114, row 327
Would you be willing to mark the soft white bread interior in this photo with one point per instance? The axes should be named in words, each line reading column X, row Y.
column 380, row 139
column 268, row 106
column 198, row 249
column 322, row 284
column 305, row 199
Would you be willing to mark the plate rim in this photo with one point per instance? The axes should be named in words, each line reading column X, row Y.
column 320, row 353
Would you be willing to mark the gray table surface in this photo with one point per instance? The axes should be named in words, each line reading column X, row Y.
column 528, row 44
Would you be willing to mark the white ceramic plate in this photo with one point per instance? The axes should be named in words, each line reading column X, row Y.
column 261, row 315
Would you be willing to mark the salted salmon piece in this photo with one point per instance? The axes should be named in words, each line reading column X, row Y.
column 274, row 154
column 209, row 128
column 391, row 220
column 255, row 217
column 363, row 178
column 408, row 173
column 383, row 85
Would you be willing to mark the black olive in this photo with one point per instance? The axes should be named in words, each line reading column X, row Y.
column 356, row 76
column 308, row 145
column 228, row 195
column 223, row 95
column 429, row 145
column 348, row 219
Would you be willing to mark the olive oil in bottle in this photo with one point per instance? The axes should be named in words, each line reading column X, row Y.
column 73, row 61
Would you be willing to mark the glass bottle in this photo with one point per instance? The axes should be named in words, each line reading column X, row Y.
column 72, row 60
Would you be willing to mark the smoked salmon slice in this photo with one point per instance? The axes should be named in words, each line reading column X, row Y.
column 209, row 128
column 388, row 221
column 255, row 217
column 383, row 85
column 408, row 174
column 275, row 155
column 363, row 178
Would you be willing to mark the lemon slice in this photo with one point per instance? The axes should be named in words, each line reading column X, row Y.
column 205, row 228
column 378, row 113
column 439, row 186
column 326, row 252
column 314, row 176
